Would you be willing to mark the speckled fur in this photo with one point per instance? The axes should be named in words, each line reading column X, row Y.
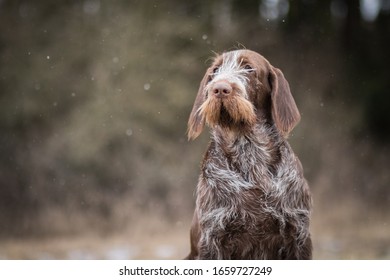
column 252, row 200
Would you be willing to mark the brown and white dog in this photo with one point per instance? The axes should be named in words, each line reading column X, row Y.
column 252, row 201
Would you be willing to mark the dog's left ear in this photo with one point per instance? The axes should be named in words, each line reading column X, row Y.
column 196, row 121
column 284, row 110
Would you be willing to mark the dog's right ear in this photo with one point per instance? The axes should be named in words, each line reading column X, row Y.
column 196, row 120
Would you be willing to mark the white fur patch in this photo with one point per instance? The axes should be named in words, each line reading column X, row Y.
column 233, row 71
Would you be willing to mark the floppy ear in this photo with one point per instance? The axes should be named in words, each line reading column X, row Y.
column 284, row 110
column 196, row 120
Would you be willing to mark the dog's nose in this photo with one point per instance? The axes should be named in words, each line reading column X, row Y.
column 221, row 89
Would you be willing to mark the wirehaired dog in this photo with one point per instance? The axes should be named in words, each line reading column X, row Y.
column 252, row 200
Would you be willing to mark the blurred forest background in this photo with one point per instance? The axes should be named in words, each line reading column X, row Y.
column 94, row 101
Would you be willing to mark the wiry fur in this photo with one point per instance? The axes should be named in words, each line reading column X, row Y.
column 252, row 199
column 237, row 106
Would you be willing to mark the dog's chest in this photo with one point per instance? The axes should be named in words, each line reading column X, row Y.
column 238, row 168
column 233, row 201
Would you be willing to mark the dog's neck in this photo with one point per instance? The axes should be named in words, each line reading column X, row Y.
column 261, row 133
column 262, row 142
column 226, row 137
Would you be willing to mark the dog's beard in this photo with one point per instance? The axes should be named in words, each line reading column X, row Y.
column 230, row 112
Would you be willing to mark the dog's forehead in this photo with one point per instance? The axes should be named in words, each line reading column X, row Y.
column 241, row 57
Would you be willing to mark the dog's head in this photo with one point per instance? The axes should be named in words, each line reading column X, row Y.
column 240, row 88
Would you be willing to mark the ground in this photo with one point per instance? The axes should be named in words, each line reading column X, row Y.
column 152, row 239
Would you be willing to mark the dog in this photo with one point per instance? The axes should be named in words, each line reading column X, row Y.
column 252, row 200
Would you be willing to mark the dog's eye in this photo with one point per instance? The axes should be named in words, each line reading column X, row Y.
column 215, row 70
column 248, row 67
